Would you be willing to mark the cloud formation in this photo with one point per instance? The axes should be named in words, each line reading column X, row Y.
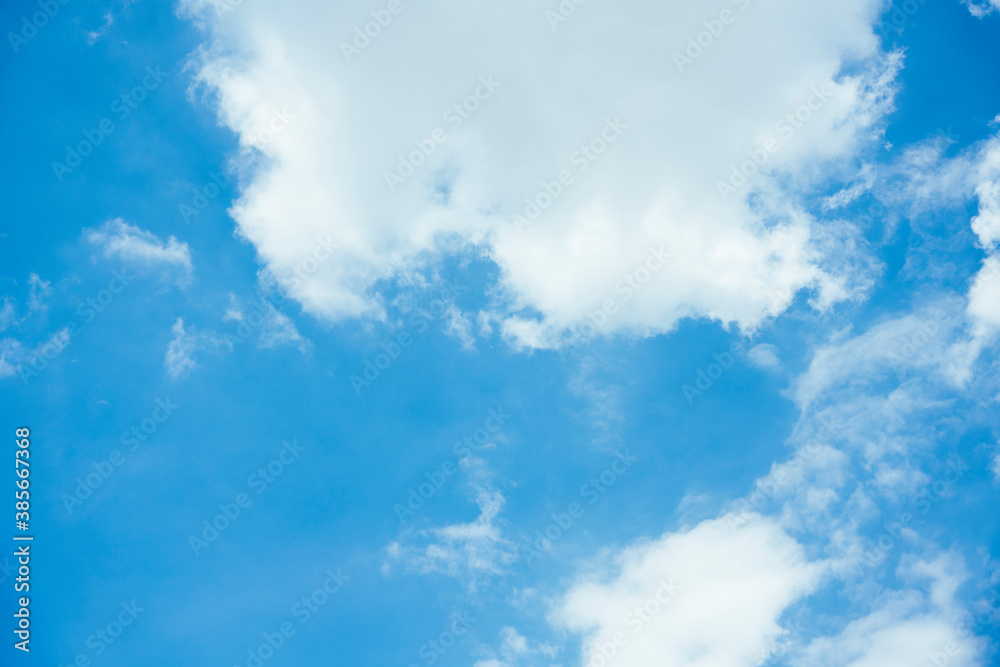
column 142, row 249
column 618, row 160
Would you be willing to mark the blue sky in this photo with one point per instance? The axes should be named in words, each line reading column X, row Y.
column 431, row 432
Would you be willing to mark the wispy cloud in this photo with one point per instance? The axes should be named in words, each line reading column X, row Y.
column 179, row 360
column 474, row 550
column 142, row 249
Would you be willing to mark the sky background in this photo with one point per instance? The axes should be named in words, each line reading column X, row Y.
column 813, row 362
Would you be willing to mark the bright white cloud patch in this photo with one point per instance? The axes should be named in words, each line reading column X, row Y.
column 592, row 130
column 139, row 248
column 709, row 597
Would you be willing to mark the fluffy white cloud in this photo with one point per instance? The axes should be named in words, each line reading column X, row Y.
column 139, row 248
column 642, row 148
column 709, row 597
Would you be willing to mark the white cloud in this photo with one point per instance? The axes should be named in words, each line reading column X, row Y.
column 11, row 356
column 142, row 249
column 981, row 8
column 15, row 356
column 986, row 224
column 40, row 290
column 94, row 35
column 907, row 627
column 764, row 356
column 516, row 649
column 179, row 359
column 918, row 340
column 655, row 185
column 8, row 315
column 731, row 588
column 275, row 329
column 924, row 180
column 459, row 325
column 472, row 550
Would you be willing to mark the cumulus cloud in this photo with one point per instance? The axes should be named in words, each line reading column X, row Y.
column 711, row 596
column 590, row 121
column 139, row 248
